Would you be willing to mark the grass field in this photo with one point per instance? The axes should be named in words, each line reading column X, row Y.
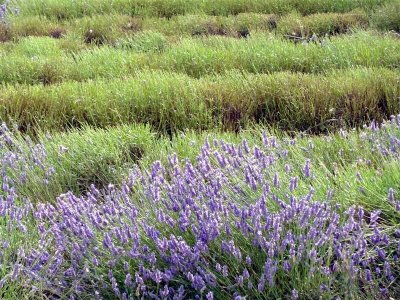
column 198, row 149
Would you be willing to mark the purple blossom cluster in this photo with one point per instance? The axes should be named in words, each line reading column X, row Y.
column 5, row 8
column 228, row 225
column 3, row 11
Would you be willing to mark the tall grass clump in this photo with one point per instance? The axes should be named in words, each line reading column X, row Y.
column 37, row 46
column 294, row 101
column 100, row 29
column 388, row 16
column 5, row 32
column 296, row 25
column 227, row 225
column 36, row 26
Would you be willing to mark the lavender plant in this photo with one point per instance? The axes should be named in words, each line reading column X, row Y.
column 229, row 225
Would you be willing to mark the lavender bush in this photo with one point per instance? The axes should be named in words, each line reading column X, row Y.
column 228, row 225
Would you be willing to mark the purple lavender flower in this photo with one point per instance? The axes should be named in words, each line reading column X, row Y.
column 307, row 168
column 294, row 295
column 210, row 296
column 276, row 180
column 391, row 196
column 293, row 183
column 225, row 271
column 164, row 292
column 240, row 280
column 248, row 260
column 375, row 216
column 286, row 266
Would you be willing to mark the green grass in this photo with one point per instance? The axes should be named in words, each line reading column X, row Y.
column 38, row 60
column 168, row 8
column 172, row 101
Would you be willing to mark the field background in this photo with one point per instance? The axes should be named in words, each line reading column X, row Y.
column 95, row 93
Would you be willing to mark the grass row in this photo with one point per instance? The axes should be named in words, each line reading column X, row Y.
column 101, row 29
column 168, row 8
column 45, row 60
column 172, row 101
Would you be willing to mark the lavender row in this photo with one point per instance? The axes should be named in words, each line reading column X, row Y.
column 228, row 225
